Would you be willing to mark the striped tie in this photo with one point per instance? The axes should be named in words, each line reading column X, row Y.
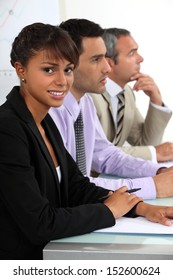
column 80, row 144
column 120, row 115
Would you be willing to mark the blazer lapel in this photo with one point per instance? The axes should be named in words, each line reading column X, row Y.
column 23, row 113
column 107, row 98
column 127, row 111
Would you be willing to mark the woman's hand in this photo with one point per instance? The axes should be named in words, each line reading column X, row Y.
column 121, row 202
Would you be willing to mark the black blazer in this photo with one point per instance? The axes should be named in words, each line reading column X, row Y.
column 34, row 207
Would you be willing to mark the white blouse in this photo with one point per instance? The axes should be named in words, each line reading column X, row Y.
column 58, row 170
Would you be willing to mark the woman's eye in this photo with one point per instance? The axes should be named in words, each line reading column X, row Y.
column 48, row 70
column 69, row 70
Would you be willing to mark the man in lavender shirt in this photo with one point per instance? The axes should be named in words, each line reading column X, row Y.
column 101, row 155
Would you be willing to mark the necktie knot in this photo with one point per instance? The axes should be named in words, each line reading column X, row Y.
column 120, row 97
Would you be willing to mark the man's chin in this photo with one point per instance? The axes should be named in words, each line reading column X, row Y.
column 98, row 90
column 103, row 89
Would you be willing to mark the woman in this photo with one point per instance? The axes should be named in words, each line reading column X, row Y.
column 43, row 195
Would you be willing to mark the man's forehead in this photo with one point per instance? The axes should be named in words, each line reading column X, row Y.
column 93, row 46
column 125, row 42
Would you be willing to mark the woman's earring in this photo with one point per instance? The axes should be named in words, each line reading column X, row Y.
column 23, row 80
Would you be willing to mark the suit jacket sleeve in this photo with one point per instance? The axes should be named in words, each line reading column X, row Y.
column 137, row 151
column 148, row 131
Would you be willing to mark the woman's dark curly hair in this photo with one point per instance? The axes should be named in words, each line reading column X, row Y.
column 39, row 36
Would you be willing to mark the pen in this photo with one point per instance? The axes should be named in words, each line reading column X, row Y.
column 129, row 191
column 133, row 190
column 104, row 197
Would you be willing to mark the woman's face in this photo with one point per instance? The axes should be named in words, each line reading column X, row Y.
column 47, row 81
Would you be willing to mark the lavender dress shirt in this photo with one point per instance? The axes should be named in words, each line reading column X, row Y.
column 101, row 155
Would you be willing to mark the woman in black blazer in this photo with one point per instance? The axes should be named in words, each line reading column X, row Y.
column 43, row 195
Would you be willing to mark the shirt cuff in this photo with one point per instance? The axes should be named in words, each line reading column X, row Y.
column 164, row 108
column 153, row 154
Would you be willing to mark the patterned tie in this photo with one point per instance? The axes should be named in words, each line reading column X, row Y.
column 120, row 115
column 80, row 144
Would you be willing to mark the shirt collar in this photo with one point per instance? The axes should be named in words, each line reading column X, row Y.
column 72, row 105
column 112, row 88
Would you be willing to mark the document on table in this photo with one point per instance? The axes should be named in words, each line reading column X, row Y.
column 137, row 225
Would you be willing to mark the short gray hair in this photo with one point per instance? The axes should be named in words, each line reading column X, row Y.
column 110, row 37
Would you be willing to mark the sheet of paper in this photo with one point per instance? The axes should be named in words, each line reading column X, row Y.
column 137, row 225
